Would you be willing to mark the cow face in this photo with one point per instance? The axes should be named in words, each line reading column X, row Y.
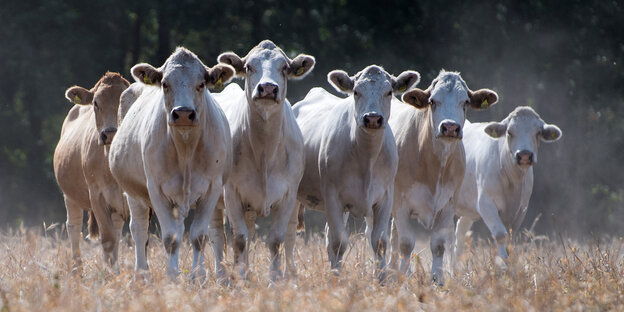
column 372, row 90
column 183, row 80
column 266, row 69
column 104, row 97
column 448, row 98
column 522, row 130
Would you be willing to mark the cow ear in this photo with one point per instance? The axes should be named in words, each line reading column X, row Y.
column 230, row 58
column 482, row 99
column 405, row 81
column 79, row 95
column 301, row 66
column 417, row 98
column 217, row 76
column 341, row 81
column 550, row 133
column 146, row 73
column 496, row 129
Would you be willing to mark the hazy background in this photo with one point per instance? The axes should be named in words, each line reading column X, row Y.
column 563, row 58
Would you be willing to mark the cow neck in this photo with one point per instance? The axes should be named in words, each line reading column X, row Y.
column 435, row 153
column 510, row 171
column 185, row 143
column 265, row 134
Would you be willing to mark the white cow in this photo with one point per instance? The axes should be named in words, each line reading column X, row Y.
column 268, row 152
column 428, row 132
column 351, row 157
column 498, row 182
column 172, row 152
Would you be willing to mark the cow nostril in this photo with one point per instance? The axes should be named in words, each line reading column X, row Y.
column 275, row 91
column 191, row 116
column 175, row 115
column 103, row 137
column 260, row 89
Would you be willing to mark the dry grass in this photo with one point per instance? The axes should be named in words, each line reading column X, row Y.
column 541, row 275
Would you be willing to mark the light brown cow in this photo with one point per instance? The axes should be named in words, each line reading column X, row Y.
column 428, row 132
column 81, row 165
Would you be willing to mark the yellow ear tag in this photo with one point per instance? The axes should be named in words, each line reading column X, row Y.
column 300, row 71
column 402, row 88
column 494, row 134
column 146, row 80
column 77, row 99
column 219, row 84
column 484, row 104
column 553, row 135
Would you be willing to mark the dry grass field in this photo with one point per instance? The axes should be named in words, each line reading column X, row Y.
column 541, row 275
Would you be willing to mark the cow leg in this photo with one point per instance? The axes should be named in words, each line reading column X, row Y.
column 463, row 226
column 336, row 235
column 281, row 218
column 406, row 238
column 74, row 229
column 105, row 226
column 379, row 234
column 139, row 228
column 489, row 213
column 199, row 228
column 289, row 243
column 394, row 243
column 250, row 221
column 217, row 237
column 236, row 215
column 118, row 222
column 440, row 237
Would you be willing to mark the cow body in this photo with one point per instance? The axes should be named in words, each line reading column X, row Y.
column 81, row 165
column 498, row 182
column 268, row 151
column 428, row 135
column 172, row 153
column 351, row 157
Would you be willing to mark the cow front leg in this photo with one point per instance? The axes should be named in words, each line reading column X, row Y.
column 406, row 238
column 488, row 211
column 74, row 229
column 440, row 237
column 199, row 228
column 281, row 217
column 217, row 237
column 379, row 235
column 336, row 235
column 236, row 215
column 139, row 229
column 463, row 226
column 171, row 220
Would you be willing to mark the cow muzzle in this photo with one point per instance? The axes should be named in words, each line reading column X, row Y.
column 373, row 121
column 524, row 158
column 183, row 117
column 106, row 136
column 267, row 91
column 450, row 129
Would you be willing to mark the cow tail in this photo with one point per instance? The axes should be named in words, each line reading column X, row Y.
column 300, row 223
column 92, row 225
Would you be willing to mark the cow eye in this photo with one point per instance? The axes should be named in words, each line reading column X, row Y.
column 510, row 134
column 165, row 85
column 248, row 68
column 95, row 104
column 355, row 93
column 200, row 87
column 389, row 93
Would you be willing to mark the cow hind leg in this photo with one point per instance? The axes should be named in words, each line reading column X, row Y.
column 139, row 229
column 74, row 229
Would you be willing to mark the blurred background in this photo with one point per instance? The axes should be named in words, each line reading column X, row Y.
column 563, row 58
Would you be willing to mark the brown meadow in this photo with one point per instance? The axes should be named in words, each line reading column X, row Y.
column 542, row 274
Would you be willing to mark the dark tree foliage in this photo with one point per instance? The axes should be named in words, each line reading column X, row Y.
column 564, row 58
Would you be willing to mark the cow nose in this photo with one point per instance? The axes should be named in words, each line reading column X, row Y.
column 183, row 116
column 450, row 129
column 373, row 120
column 524, row 157
column 106, row 136
column 267, row 90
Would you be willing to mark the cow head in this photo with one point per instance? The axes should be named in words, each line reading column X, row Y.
column 104, row 97
column 372, row 90
column 183, row 80
column 522, row 130
column 266, row 69
column 448, row 98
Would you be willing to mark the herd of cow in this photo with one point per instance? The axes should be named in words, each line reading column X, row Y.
column 168, row 145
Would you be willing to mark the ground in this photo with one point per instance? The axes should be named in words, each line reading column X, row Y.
column 542, row 274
